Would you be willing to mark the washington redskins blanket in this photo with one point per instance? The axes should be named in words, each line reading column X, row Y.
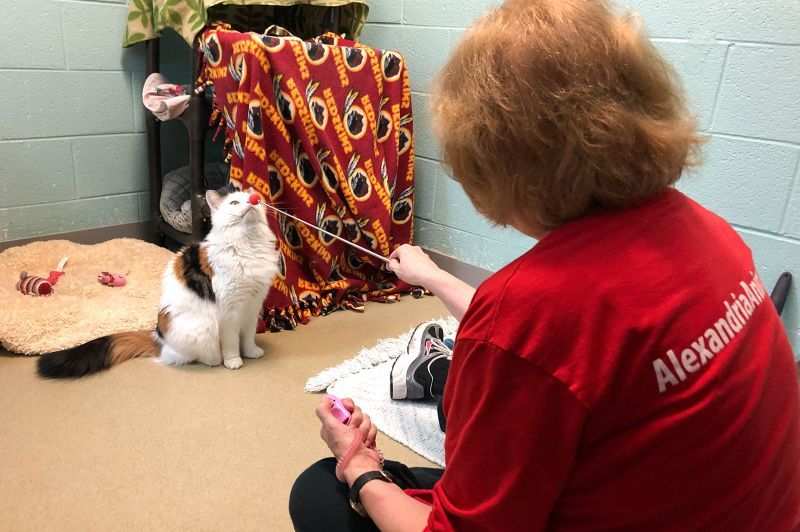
column 322, row 129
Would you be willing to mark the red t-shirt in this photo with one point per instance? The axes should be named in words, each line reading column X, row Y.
column 628, row 372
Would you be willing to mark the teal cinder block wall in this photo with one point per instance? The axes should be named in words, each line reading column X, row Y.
column 72, row 131
column 740, row 63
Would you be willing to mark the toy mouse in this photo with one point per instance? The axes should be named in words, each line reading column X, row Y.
column 33, row 285
column 112, row 279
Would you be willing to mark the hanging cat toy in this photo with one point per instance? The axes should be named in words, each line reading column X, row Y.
column 34, row 285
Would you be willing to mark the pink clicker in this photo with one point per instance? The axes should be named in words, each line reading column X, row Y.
column 338, row 409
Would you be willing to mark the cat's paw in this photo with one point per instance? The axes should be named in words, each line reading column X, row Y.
column 234, row 363
column 252, row 352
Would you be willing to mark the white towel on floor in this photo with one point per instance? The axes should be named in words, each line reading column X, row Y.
column 365, row 379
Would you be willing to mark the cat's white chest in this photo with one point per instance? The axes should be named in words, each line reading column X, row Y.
column 242, row 274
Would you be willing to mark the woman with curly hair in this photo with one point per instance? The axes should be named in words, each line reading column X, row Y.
column 629, row 371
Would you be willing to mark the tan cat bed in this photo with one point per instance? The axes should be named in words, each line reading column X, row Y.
column 80, row 307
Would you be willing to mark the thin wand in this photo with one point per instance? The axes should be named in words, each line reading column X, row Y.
column 362, row 249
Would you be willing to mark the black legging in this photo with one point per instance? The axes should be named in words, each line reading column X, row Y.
column 319, row 502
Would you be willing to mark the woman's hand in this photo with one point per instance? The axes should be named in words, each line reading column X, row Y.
column 413, row 266
column 386, row 503
column 340, row 438
column 362, row 422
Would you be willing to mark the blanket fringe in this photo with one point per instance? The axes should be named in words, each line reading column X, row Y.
column 287, row 318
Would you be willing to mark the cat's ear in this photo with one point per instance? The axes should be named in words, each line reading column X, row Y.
column 213, row 199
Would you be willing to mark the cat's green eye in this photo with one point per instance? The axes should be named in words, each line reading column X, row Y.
column 234, row 202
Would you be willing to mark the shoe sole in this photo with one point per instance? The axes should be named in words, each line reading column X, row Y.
column 400, row 386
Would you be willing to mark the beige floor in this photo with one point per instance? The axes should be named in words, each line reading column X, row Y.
column 146, row 447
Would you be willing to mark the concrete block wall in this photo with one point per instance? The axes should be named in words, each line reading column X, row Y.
column 740, row 63
column 72, row 131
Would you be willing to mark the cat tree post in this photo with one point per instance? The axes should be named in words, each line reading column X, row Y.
column 152, row 65
column 196, row 118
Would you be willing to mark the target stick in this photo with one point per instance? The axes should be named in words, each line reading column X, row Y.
column 254, row 199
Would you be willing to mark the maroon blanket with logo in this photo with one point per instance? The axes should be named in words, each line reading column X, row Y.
column 323, row 130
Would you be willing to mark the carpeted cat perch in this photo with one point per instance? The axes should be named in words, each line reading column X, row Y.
column 80, row 307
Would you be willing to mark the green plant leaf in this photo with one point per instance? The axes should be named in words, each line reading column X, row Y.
column 175, row 18
column 145, row 20
column 133, row 15
column 139, row 4
column 136, row 37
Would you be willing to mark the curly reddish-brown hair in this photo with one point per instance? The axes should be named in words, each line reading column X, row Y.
column 551, row 109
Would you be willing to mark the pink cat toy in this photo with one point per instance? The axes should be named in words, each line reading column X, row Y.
column 112, row 279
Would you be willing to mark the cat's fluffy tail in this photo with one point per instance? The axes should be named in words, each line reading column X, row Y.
column 98, row 355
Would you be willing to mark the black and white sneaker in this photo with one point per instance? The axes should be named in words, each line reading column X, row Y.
column 421, row 372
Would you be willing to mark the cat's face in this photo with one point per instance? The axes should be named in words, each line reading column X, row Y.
column 234, row 209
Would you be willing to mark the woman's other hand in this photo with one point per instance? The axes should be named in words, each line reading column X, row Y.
column 413, row 266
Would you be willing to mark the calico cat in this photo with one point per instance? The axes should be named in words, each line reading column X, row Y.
column 211, row 296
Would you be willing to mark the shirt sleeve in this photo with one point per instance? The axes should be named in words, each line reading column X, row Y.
column 512, row 433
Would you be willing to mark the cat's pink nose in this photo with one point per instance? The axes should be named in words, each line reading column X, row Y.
column 254, row 199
